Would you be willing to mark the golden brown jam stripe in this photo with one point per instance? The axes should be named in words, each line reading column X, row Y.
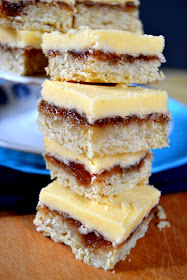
column 92, row 240
column 26, row 50
column 84, row 177
column 13, row 9
column 128, row 7
column 112, row 58
column 74, row 117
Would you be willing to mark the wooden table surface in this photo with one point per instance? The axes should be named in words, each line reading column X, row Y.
column 26, row 254
column 175, row 84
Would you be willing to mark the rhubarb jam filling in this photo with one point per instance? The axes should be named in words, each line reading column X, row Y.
column 100, row 55
column 26, row 50
column 84, row 177
column 93, row 240
column 71, row 115
column 128, row 7
column 15, row 8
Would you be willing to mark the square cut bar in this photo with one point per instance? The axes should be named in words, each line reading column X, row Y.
column 21, row 53
column 99, row 233
column 98, row 177
column 46, row 15
column 43, row 15
column 103, row 56
column 103, row 120
column 108, row 14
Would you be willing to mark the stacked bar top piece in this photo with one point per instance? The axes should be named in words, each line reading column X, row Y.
column 98, row 139
column 104, row 56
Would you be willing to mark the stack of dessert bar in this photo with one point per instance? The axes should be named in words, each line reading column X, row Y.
column 23, row 22
column 98, row 139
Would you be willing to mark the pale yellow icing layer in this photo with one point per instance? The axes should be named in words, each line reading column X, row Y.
column 95, row 165
column 115, row 41
column 21, row 38
column 115, row 221
column 105, row 101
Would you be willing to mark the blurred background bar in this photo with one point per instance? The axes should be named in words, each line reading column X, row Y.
column 169, row 18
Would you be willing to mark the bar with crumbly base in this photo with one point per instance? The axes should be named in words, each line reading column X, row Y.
column 107, row 14
column 101, row 234
column 97, row 177
column 21, row 53
column 103, row 56
column 48, row 15
column 42, row 15
column 103, row 120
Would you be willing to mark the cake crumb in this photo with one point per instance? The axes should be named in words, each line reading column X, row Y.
column 113, row 271
column 163, row 224
column 161, row 213
column 129, row 260
column 106, row 207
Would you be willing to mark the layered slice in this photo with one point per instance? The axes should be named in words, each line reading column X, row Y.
column 94, row 178
column 21, row 53
column 103, row 56
column 99, row 233
column 108, row 14
column 43, row 15
column 47, row 15
column 103, row 120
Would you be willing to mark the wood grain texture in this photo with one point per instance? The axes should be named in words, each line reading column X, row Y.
column 27, row 254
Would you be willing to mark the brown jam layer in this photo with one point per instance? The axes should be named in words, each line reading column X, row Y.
column 128, row 7
column 72, row 116
column 111, row 58
column 92, row 240
column 13, row 9
column 84, row 177
column 28, row 51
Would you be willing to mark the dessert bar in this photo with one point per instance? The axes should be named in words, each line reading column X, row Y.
column 103, row 56
column 43, row 15
column 47, row 15
column 99, row 120
column 94, row 178
column 107, row 14
column 21, row 53
column 99, row 233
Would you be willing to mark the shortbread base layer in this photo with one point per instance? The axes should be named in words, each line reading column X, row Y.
column 41, row 16
column 23, row 62
column 106, row 17
column 67, row 67
column 62, row 16
column 109, row 140
column 110, row 183
column 53, row 225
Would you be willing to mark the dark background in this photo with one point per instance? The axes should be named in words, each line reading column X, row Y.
column 168, row 18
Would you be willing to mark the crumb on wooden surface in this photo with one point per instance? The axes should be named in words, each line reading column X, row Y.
column 163, row 224
column 129, row 260
column 161, row 213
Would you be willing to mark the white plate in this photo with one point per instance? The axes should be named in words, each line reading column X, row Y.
column 18, row 126
column 27, row 80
